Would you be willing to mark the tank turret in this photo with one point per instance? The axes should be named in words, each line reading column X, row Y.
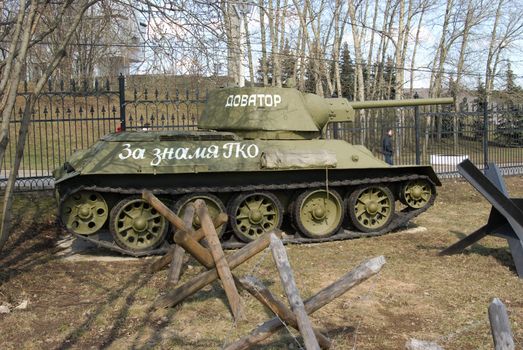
column 285, row 113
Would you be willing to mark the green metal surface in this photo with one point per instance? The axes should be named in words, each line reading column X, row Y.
column 136, row 225
column 416, row 193
column 253, row 214
column 371, row 208
column 214, row 207
column 318, row 213
column 402, row 103
column 277, row 113
column 255, row 149
column 84, row 212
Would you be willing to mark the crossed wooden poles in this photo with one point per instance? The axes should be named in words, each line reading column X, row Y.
column 219, row 266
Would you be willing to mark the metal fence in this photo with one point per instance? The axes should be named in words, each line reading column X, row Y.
column 442, row 137
column 73, row 116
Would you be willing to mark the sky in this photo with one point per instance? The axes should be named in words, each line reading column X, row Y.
column 429, row 38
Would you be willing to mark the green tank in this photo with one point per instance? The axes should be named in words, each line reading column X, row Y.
column 259, row 155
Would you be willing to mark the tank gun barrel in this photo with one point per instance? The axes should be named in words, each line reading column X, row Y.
column 344, row 111
column 401, row 103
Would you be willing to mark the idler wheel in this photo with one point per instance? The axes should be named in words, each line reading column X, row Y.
column 416, row 193
column 252, row 214
column 214, row 205
column 84, row 212
column 136, row 225
column 317, row 213
column 371, row 208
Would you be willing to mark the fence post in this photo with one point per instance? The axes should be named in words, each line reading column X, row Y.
column 121, row 93
column 416, row 131
column 485, row 132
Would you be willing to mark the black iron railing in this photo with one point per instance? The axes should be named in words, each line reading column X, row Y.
column 73, row 116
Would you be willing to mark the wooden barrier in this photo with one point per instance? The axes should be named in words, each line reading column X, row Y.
column 234, row 260
column 264, row 296
column 220, row 266
column 174, row 219
column 175, row 270
column 219, row 260
column 293, row 295
column 500, row 326
column 180, row 226
column 361, row 273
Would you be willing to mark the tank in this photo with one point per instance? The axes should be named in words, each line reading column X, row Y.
column 261, row 156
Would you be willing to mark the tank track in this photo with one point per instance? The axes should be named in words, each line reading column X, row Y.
column 401, row 218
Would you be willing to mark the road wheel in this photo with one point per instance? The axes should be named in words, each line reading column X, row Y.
column 317, row 213
column 371, row 208
column 416, row 193
column 252, row 214
column 136, row 225
column 214, row 205
column 84, row 212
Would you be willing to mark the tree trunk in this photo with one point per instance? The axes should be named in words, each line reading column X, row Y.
column 414, row 51
column 490, row 71
column 249, row 49
column 24, row 124
column 263, row 35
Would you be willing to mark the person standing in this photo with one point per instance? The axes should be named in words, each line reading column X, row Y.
column 387, row 148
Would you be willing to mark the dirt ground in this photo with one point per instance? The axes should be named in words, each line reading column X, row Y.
column 95, row 304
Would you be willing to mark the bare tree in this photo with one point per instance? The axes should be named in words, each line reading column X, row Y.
column 29, row 17
column 506, row 29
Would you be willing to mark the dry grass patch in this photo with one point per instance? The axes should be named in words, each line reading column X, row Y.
column 417, row 295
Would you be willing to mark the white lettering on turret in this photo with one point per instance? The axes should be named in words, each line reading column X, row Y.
column 227, row 150
column 255, row 100
column 245, row 98
column 236, row 101
column 260, row 99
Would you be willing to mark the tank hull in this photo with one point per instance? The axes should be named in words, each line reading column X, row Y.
column 314, row 188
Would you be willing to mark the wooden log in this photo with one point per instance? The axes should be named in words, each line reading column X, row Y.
column 234, row 260
column 150, row 198
column 218, row 221
column 293, row 295
column 175, row 270
column 264, row 295
column 165, row 260
column 174, row 219
column 219, row 260
column 194, row 248
column 162, row 261
column 359, row 274
column 500, row 326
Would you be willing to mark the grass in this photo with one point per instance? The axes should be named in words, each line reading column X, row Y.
column 417, row 295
